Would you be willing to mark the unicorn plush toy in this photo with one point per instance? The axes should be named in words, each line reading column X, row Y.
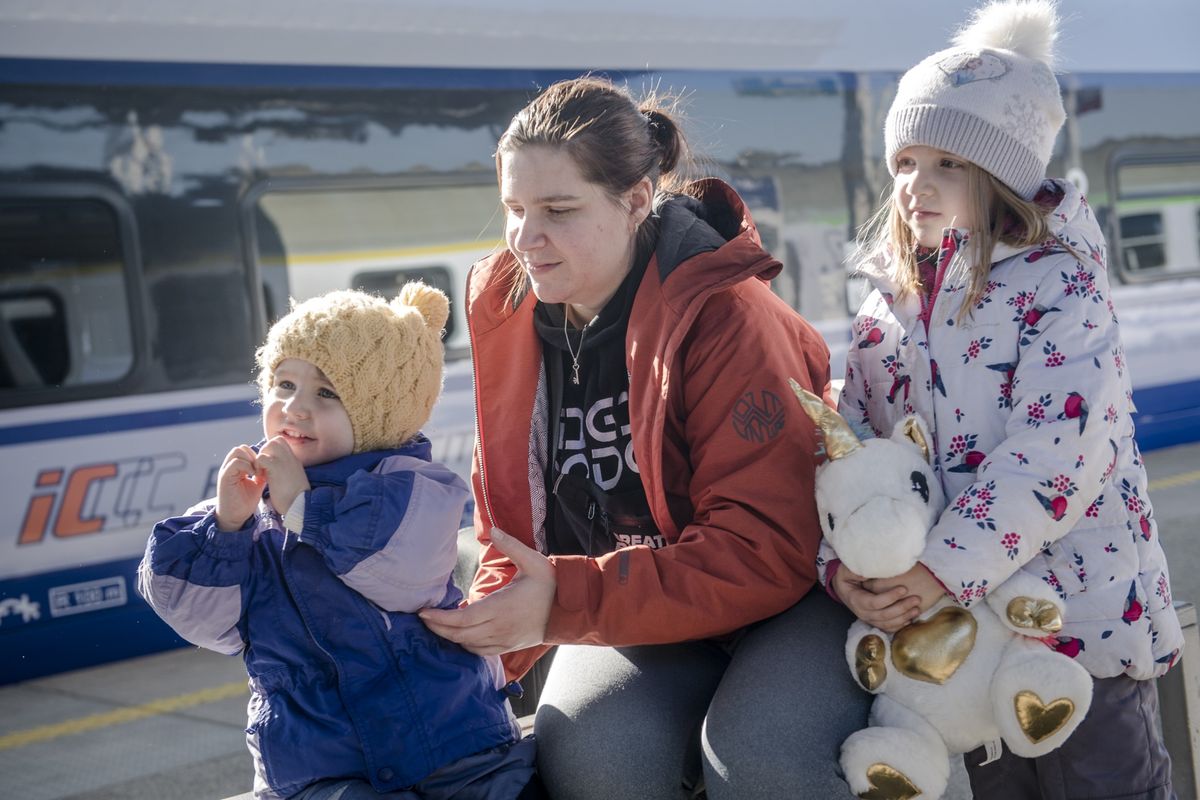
column 955, row 679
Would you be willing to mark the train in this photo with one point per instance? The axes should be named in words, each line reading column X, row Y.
column 172, row 175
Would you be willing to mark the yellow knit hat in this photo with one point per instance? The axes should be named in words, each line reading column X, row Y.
column 383, row 359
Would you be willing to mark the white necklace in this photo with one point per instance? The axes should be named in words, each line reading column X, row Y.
column 574, row 356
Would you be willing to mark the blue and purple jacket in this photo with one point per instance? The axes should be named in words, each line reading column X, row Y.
column 345, row 679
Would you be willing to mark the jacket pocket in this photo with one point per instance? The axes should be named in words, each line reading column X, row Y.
column 1064, row 569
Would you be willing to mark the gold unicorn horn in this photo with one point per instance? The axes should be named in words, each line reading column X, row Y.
column 840, row 441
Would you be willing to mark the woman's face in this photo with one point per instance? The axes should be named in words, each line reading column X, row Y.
column 931, row 193
column 574, row 240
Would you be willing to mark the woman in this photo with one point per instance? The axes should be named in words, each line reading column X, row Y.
column 651, row 330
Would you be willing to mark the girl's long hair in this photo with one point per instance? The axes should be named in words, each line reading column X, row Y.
column 1006, row 217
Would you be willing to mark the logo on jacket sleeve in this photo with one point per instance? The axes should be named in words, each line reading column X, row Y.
column 758, row 417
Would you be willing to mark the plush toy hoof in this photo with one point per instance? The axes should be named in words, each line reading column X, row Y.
column 869, row 662
column 1039, row 721
column 888, row 783
column 1031, row 614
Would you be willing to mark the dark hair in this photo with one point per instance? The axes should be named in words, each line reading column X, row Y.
column 613, row 139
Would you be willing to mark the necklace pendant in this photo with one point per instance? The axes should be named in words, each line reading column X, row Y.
column 575, row 373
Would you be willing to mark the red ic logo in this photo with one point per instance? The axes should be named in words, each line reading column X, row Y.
column 71, row 520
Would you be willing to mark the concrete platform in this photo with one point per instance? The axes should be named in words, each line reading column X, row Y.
column 170, row 726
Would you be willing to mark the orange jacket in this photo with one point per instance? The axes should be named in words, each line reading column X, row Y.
column 725, row 454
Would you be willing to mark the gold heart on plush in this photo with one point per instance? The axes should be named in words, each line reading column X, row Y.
column 1042, row 615
column 869, row 663
column 888, row 783
column 1039, row 720
column 932, row 650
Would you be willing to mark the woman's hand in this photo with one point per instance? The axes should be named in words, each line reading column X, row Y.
column 511, row 618
column 918, row 582
column 888, row 609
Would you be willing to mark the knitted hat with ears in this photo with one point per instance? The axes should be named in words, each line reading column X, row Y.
column 383, row 358
column 991, row 98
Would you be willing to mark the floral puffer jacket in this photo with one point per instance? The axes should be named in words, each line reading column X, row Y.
column 1029, row 399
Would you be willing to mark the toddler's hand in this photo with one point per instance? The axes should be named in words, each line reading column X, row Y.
column 919, row 582
column 284, row 473
column 239, row 488
column 889, row 610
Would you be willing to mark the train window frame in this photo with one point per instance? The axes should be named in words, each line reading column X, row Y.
column 333, row 184
column 130, row 260
column 1123, row 159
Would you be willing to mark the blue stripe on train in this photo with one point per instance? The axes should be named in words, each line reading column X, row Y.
column 121, row 625
column 1167, row 415
column 127, row 421
column 43, row 71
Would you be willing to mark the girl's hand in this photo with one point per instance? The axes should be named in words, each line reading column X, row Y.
column 887, row 609
column 239, row 488
column 511, row 618
column 283, row 472
column 919, row 582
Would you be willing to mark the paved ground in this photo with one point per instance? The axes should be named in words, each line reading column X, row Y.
column 169, row 726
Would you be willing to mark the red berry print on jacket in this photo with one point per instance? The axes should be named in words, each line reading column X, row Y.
column 976, row 347
column 1036, row 411
column 1011, row 542
column 1163, row 590
column 1053, row 357
column 1081, row 283
column 970, row 591
column 1134, row 504
column 1008, row 368
column 975, row 504
column 962, row 449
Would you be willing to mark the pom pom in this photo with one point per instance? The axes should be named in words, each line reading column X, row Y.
column 432, row 303
column 1028, row 27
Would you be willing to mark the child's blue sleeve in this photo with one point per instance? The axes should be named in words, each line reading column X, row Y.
column 193, row 576
column 391, row 536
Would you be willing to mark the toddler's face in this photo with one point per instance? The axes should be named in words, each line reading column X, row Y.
column 303, row 408
column 931, row 192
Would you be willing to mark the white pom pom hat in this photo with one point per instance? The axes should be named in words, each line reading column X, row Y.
column 991, row 98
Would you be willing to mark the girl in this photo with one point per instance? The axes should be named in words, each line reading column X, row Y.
column 991, row 318
column 640, row 484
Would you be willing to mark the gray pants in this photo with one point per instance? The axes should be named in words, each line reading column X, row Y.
column 1116, row 753
column 764, row 718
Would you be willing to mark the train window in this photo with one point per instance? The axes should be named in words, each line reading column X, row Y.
column 386, row 283
column 312, row 236
column 64, row 312
column 1157, row 213
column 1142, row 244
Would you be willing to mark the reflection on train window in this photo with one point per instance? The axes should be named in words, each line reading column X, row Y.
column 1158, row 215
column 64, row 314
column 1142, row 241
column 312, row 239
column 386, row 283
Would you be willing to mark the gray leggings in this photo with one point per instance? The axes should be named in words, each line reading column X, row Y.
column 765, row 719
